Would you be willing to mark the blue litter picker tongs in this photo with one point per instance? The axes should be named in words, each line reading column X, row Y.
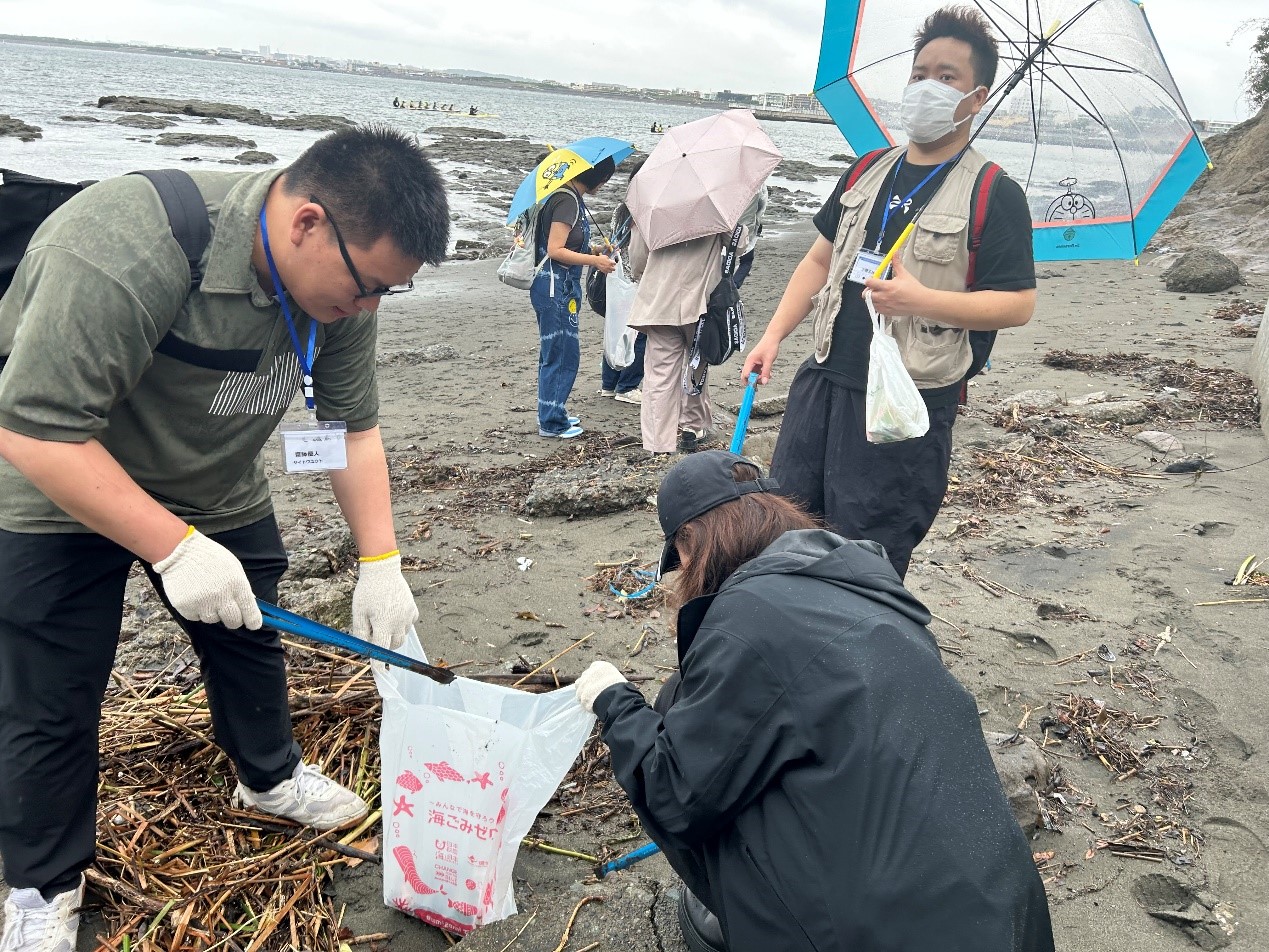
column 294, row 624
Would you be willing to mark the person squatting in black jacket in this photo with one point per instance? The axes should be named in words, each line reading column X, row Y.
column 816, row 776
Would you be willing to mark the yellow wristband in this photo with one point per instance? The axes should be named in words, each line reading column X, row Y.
column 379, row 558
column 188, row 532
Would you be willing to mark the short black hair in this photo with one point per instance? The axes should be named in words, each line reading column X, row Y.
column 597, row 174
column 969, row 26
column 378, row 181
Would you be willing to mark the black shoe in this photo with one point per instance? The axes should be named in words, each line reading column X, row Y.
column 690, row 441
column 701, row 929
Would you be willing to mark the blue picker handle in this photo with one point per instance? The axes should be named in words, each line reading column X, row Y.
column 621, row 862
column 293, row 624
column 742, row 418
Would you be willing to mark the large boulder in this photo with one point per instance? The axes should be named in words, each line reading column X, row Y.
column 26, row 132
column 141, row 120
column 592, row 490
column 1202, row 271
column 1124, row 412
column 203, row 138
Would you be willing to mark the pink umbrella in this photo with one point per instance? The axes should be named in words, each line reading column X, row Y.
column 700, row 177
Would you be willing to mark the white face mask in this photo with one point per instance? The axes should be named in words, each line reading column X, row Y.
column 928, row 110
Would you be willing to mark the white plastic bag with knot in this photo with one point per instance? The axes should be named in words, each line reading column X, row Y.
column 894, row 409
column 466, row 768
column 619, row 336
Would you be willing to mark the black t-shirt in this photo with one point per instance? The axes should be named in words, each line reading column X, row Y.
column 1004, row 263
column 563, row 205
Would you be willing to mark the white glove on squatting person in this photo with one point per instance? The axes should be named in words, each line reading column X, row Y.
column 594, row 681
column 383, row 606
column 205, row 582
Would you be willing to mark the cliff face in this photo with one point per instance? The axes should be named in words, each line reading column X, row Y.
column 1228, row 207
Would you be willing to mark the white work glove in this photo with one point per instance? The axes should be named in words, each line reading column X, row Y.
column 383, row 606
column 594, row 680
column 205, row 582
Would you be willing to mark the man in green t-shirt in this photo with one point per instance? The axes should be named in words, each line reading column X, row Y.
column 133, row 411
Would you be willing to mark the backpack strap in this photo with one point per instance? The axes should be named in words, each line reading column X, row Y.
column 987, row 177
column 186, row 213
column 861, row 166
column 733, row 245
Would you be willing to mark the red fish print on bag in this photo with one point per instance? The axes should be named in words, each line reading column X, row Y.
column 410, row 782
column 444, row 771
column 405, row 859
column 487, row 901
column 463, row 908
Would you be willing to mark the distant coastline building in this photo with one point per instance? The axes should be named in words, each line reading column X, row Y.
column 1213, row 127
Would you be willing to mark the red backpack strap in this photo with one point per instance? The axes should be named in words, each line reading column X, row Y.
column 987, row 177
column 861, row 166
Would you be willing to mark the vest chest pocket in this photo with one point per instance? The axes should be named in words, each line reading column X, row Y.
column 938, row 237
column 852, row 203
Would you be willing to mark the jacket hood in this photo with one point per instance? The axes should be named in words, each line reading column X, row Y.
column 858, row 566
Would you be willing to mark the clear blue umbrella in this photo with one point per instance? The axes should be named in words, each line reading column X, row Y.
column 1086, row 116
column 563, row 164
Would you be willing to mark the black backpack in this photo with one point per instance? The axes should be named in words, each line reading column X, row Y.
column 25, row 201
column 720, row 332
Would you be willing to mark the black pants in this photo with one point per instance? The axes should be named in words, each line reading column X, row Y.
column 61, row 603
column 887, row 492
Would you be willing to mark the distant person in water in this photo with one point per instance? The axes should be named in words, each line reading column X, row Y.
column 396, row 102
column 471, row 111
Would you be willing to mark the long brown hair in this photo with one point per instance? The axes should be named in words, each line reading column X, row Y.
column 716, row 543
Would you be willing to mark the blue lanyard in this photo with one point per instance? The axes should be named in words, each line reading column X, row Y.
column 306, row 362
column 885, row 214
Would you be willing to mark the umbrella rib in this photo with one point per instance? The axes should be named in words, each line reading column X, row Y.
column 846, row 77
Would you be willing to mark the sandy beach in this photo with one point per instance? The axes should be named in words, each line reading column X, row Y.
column 1062, row 535
column 1068, row 573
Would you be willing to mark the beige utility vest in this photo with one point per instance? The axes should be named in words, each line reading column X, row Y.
column 937, row 255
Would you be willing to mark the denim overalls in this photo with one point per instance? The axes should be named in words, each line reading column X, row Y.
column 556, row 296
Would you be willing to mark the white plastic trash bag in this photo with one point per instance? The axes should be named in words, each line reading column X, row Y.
column 466, row 768
column 894, row 409
column 619, row 336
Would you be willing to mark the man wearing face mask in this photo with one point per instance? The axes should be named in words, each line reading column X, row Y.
column 891, row 492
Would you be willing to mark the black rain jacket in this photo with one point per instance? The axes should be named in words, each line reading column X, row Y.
column 821, row 781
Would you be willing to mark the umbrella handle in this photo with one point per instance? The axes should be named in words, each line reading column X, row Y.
column 742, row 418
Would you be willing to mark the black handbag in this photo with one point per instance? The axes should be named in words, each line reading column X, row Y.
column 597, row 290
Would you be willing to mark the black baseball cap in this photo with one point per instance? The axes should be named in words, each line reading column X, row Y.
column 694, row 486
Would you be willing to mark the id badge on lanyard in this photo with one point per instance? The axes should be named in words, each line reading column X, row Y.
column 314, row 447
column 865, row 266
column 318, row 445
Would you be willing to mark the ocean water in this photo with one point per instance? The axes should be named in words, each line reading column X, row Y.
column 39, row 84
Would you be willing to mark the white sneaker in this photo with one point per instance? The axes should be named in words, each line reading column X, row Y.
column 607, row 393
column 309, row 797
column 33, row 925
column 630, row 396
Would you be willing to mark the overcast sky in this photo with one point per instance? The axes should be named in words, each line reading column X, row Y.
column 746, row 45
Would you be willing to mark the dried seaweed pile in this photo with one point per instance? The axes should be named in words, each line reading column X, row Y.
column 1233, row 310
column 1211, row 394
column 1153, row 830
column 179, row 867
column 1010, row 480
column 632, row 585
column 589, row 789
